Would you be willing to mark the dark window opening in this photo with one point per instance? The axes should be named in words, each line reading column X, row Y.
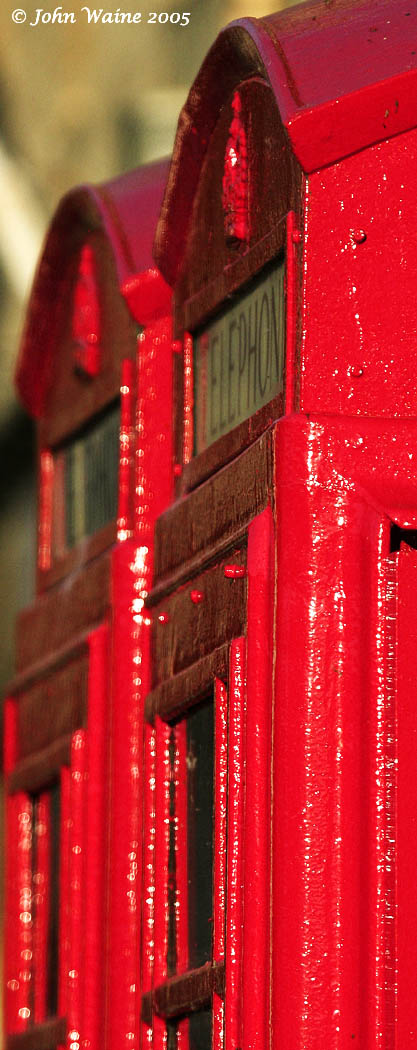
column 402, row 536
column 199, row 1032
column 196, row 780
column 200, row 801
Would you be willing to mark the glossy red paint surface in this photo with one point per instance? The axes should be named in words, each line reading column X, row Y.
column 235, row 178
column 235, row 803
column 132, row 573
column 220, row 845
column 147, row 956
column 160, row 870
column 315, row 829
column 11, row 885
column 78, row 903
column 358, row 329
column 86, row 318
column 64, row 891
column 336, row 803
column 256, row 843
column 41, row 903
column 125, row 510
column 97, row 804
column 343, row 77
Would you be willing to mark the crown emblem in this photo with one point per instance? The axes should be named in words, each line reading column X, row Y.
column 86, row 315
column 235, row 178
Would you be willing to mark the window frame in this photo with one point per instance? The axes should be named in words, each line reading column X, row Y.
column 190, row 990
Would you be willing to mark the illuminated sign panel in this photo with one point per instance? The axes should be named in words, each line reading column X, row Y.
column 239, row 359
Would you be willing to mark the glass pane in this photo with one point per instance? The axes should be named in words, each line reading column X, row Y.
column 200, row 1030
column 91, row 466
column 200, row 774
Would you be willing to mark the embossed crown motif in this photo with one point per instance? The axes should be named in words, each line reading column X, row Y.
column 235, row 178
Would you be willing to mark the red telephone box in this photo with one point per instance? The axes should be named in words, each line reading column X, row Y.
column 284, row 644
column 221, row 680
column 95, row 317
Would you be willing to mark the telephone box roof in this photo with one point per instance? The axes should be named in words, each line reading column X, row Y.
column 344, row 75
column 126, row 210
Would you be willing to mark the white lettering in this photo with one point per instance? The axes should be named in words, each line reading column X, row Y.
column 93, row 15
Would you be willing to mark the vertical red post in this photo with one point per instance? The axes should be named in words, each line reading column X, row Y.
column 130, row 673
column 64, row 922
column 149, row 874
column 234, row 901
column 41, row 902
column 258, row 731
column 12, row 902
column 406, row 801
column 220, row 842
column 188, row 440
column 181, row 864
column 163, row 772
column 291, row 315
column 96, row 843
column 126, row 459
column 78, row 901
column 24, row 996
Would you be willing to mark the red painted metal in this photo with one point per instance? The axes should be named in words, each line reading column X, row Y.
column 125, row 514
column 291, row 313
column 404, row 815
column 181, row 862
column 41, row 892
column 125, row 210
column 86, row 316
column 11, row 883
column 334, row 764
column 24, row 931
column 235, row 178
column 181, row 865
column 314, row 905
column 235, row 572
column 196, row 596
column 97, row 799
column 220, row 843
column 77, row 897
column 327, row 118
column 132, row 572
column 256, row 842
column 162, row 778
column 130, row 681
column 148, row 897
column 154, row 449
column 188, row 440
column 355, row 356
column 236, row 788
column 64, row 891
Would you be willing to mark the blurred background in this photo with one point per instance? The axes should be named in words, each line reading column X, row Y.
column 78, row 103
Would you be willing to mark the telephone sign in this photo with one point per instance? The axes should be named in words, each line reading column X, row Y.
column 239, row 359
